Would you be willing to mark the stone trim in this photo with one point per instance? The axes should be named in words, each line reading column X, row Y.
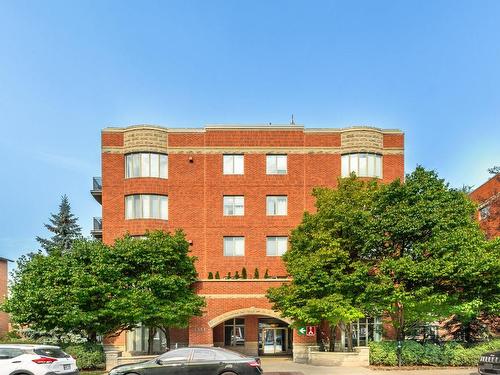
column 247, row 311
column 252, row 150
column 257, row 127
column 231, row 296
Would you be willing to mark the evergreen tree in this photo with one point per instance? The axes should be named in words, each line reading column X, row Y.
column 243, row 273
column 210, row 275
column 256, row 273
column 64, row 226
column 217, row 275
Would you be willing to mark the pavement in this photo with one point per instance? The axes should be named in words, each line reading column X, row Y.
column 285, row 366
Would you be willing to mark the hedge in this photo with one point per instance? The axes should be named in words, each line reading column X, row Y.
column 88, row 356
column 384, row 353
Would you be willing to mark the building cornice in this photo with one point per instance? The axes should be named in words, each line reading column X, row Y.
column 250, row 127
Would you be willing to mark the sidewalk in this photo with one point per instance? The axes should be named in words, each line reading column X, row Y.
column 285, row 366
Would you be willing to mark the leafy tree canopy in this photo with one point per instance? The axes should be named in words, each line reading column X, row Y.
column 97, row 290
column 411, row 249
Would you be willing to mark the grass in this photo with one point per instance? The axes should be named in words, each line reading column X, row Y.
column 93, row 372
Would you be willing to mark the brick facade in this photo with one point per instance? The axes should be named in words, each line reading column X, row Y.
column 4, row 318
column 196, row 185
column 487, row 196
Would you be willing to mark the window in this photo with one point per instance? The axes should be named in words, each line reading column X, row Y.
column 234, row 205
column 203, row 355
column 9, row 353
column 233, row 164
column 177, row 355
column 365, row 330
column 484, row 212
column 277, row 205
column 276, row 246
column 146, row 165
column 234, row 246
column 276, row 164
column 144, row 206
column 363, row 165
column 234, row 332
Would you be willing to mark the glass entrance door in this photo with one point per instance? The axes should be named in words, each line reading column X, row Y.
column 274, row 340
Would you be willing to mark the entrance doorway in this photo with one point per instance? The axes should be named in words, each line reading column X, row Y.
column 274, row 340
column 274, row 337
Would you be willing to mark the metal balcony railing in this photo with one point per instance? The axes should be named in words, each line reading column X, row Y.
column 97, row 224
column 97, row 183
column 97, row 189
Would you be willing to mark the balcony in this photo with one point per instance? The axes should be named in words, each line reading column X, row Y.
column 97, row 189
column 96, row 231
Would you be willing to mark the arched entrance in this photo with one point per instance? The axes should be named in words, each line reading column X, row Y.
column 253, row 331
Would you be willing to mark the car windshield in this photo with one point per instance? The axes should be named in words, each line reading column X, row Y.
column 51, row 352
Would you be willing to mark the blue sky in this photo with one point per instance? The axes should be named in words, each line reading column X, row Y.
column 70, row 68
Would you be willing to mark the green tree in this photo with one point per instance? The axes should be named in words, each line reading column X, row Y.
column 243, row 273
column 64, row 226
column 159, row 275
column 217, row 275
column 74, row 292
column 412, row 250
column 324, row 260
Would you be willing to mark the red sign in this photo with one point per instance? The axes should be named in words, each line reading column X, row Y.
column 310, row 330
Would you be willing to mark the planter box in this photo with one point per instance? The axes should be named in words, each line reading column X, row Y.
column 359, row 358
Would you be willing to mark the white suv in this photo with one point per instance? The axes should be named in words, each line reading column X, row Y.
column 35, row 360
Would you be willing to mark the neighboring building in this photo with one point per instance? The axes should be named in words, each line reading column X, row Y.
column 236, row 191
column 487, row 196
column 4, row 276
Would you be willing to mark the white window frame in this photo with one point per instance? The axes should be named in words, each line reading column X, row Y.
column 273, row 205
column 276, row 246
column 233, row 164
column 273, row 162
column 362, row 164
column 233, row 205
column 234, row 246
column 146, row 164
column 146, row 206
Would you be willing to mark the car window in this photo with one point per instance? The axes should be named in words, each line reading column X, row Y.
column 176, row 355
column 203, row 355
column 8, row 353
column 229, row 354
column 51, row 352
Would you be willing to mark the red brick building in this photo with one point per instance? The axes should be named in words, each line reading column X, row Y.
column 4, row 276
column 487, row 196
column 236, row 191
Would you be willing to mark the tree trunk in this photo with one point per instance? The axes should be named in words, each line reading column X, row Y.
column 166, row 332
column 319, row 339
column 151, row 337
column 333, row 336
column 92, row 337
column 349, row 337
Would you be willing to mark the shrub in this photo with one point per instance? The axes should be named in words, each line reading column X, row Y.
column 412, row 353
column 256, row 273
column 243, row 273
column 210, row 275
column 88, row 356
column 217, row 275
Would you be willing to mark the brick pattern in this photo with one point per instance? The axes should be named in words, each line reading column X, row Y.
column 4, row 318
column 488, row 194
column 196, row 185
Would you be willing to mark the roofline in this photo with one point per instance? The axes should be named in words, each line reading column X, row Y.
column 484, row 183
column 6, row 259
column 250, row 127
